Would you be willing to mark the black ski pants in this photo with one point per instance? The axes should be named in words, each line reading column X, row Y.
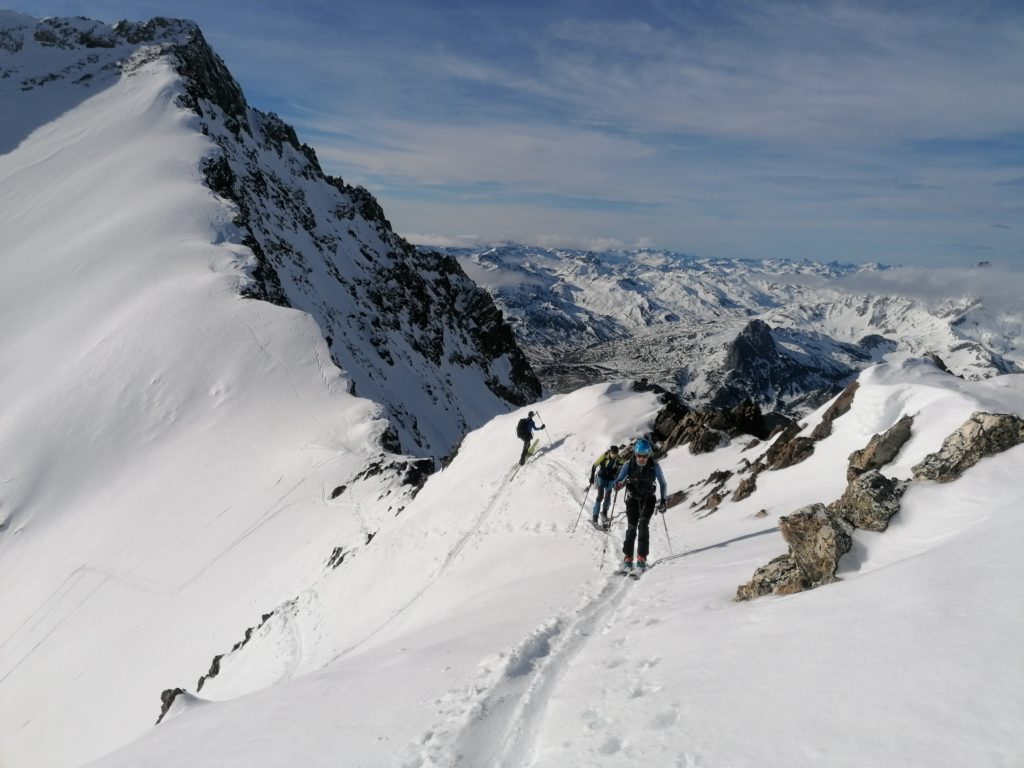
column 639, row 511
column 526, row 448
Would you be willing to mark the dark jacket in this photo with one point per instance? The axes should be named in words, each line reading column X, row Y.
column 639, row 478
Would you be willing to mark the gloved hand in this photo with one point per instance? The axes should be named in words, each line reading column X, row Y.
column 662, row 506
column 618, row 486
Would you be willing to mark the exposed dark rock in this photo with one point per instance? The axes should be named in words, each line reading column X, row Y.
column 338, row 491
column 869, row 501
column 983, row 434
column 746, row 487
column 758, row 368
column 167, row 697
column 337, row 557
column 677, row 424
column 752, row 347
column 816, row 542
column 841, row 406
column 881, row 449
column 747, row 418
column 792, row 452
column 215, row 664
column 712, row 500
column 875, row 341
column 937, row 361
column 416, row 473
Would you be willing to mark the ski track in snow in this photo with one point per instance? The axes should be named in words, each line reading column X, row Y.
column 495, row 720
column 460, row 545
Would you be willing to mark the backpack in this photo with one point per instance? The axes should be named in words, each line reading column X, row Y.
column 609, row 466
column 523, row 429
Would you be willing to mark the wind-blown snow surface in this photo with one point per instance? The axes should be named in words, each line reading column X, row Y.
column 166, row 448
column 478, row 629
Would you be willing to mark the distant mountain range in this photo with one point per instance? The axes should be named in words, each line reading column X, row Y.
column 787, row 335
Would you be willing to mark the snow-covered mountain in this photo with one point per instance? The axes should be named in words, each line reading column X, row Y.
column 788, row 335
column 199, row 522
column 390, row 314
column 186, row 435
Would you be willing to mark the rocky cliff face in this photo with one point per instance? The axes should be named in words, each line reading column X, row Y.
column 392, row 315
column 801, row 372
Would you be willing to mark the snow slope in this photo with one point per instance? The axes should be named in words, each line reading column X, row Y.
column 166, row 447
column 480, row 629
column 184, row 472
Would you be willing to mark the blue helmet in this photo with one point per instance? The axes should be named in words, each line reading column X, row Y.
column 642, row 447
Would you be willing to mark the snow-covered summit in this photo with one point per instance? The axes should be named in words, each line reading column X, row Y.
column 390, row 314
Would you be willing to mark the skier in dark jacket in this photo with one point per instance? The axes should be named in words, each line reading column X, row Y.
column 524, row 431
column 638, row 476
column 604, row 471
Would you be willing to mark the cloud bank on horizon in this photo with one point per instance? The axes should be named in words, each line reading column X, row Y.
column 855, row 131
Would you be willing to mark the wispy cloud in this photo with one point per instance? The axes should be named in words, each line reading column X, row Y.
column 856, row 130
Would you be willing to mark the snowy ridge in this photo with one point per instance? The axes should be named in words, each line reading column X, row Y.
column 192, row 497
column 501, row 640
column 585, row 317
column 186, row 458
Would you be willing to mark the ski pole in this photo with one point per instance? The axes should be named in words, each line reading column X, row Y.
column 576, row 524
column 608, row 533
column 545, row 426
column 667, row 538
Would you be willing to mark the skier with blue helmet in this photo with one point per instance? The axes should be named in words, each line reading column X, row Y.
column 638, row 476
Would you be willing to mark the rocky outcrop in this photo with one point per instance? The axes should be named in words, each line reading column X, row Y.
column 781, row 576
column 881, row 449
column 819, row 535
column 816, row 541
column 841, row 405
column 677, row 424
column 746, row 487
column 869, row 501
column 167, row 698
column 983, row 434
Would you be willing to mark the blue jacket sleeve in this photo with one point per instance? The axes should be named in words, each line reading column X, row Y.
column 661, row 481
column 622, row 474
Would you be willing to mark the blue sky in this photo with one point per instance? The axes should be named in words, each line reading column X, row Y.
column 855, row 131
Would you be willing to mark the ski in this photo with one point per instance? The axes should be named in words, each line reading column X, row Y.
column 529, row 457
column 636, row 573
